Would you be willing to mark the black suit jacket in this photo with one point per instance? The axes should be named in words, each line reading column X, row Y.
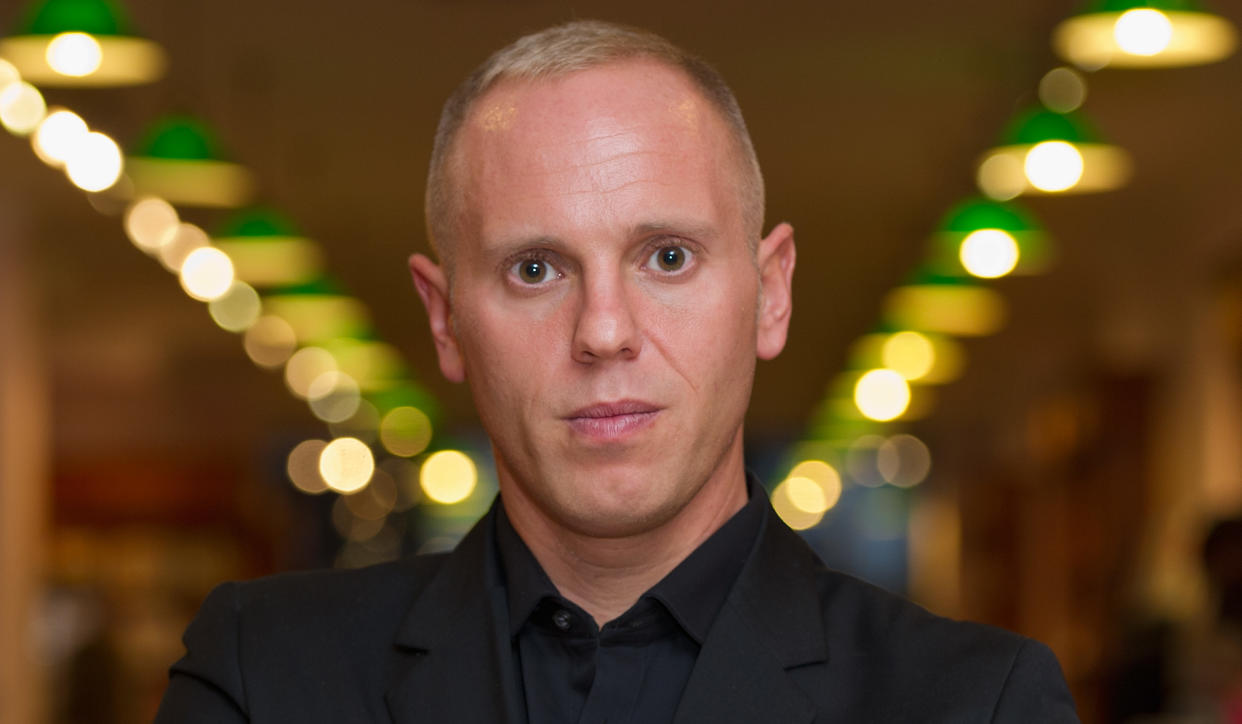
column 422, row 640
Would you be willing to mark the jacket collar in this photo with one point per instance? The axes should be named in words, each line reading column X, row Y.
column 455, row 645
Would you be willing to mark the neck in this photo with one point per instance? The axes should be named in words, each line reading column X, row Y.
column 606, row 575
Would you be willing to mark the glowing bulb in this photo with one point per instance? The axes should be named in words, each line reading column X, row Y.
column 74, row 54
column 151, row 223
column 448, row 476
column 236, row 309
column 405, row 431
column 989, row 253
column 1143, row 31
column 207, row 274
column 806, row 495
column 794, row 517
column 305, row 366
column 819, row 471
column 21, row 107
column 58, row 136
column 270, row 341
column 95, row 163
column 882, row 395
column 346, row 464
column 909, row 354
column 1053, row 166
column 303, row 467
column 185, row 239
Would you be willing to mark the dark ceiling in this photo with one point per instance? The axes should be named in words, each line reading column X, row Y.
column 868, row 119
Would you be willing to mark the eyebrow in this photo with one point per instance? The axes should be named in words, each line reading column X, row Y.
column 506, row 247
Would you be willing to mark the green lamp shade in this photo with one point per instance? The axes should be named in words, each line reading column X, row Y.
column 1143, row 34
column 989, row 239
column 318, row 312
column 1045, row 152
column 180, row 163
column 950, row 305
column 267, row 250
column 81, row 43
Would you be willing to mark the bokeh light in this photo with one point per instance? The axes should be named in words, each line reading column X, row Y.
column 989, row 253
column 150, row 223
column 862, row 461
column 363, row 424
column 793, row 516
column 74, row 54
column 910, row 354
column 21, row 107
column 352, row 527
column 269, row 342
column 1053, row 166
column 956, row 309
column 237, row 308
column 8, row 74
column 207, row 274
column 58, row 136
column 95, row 162
column 405, row 431
column 903, row 460
column 375, row 501
column 1062, row 90
column 184, row 240
column 334, row 396
column 304, row 367
column 346, row 464
column 881, row 394
column 1143, row 31
column 1000, row 177
column 448, row 476
column 302, row 466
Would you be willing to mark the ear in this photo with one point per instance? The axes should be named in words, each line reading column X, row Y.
column 432, row 286
column 775, row 258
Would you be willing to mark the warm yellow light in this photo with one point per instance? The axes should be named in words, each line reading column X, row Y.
column 74, row 54
column 1143, row 31
column 21, row 107
column 151, row 223
column 909, row 354
column 881, row 395
column 1000, row 176
column 793, row 516
column 236, row 309
column 989, row 253
column 819, row 471
column 1053, row 166
column 448, row 476
column 8, row 73
column 806, row 495
column 346, row 464
column 58, row 137
column 333, row 396
column 206, row 274
column 269, row 341
column 1062, row 90
column 405, row 431
column 303, row 467
column 304, row 367
column 946, row 308
column 903, row 460
column 184, row 240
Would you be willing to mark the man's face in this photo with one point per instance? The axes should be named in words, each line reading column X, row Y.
column 605, row 303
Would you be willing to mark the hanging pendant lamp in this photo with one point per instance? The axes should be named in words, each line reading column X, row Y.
column 81, row 43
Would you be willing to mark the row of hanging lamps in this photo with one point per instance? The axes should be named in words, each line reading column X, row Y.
column 1143, row 34
column 178, row 160
column 81, row 43
column 1045, row 152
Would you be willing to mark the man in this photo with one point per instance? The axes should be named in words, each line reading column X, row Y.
column 605, row 288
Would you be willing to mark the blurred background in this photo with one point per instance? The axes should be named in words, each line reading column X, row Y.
column 1012, row 388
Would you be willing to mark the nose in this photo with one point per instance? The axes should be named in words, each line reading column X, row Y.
column 606, row 326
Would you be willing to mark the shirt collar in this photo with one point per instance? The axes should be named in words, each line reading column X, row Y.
column 693, row 592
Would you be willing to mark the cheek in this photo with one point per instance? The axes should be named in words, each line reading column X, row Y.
column 708, row 332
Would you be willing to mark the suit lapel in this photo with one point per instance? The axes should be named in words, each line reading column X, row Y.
column 454, row 662
column 770, row 623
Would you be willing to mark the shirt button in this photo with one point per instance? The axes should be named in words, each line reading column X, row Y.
column 562, row 619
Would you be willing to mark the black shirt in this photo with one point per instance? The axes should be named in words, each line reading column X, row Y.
column 635, row 667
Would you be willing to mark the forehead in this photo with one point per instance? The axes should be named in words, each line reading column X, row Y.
column 594, row 131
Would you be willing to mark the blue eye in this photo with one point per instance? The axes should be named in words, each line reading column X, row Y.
column 534, row 271
column 670, row 258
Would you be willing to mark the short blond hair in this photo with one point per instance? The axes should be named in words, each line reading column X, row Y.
column 564, row 49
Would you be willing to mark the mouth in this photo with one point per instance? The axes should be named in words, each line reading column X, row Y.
column 612, row 421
